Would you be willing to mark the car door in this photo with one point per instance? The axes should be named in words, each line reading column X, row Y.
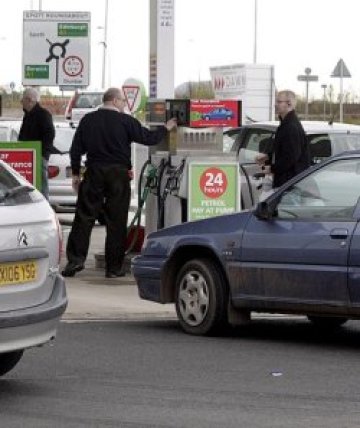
column 301, row 255
column 254, row 141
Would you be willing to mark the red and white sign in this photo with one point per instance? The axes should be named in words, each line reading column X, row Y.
column 218, row 113
column 132, row 96
column 213, row 182
column 23, row 161
column 73, row 66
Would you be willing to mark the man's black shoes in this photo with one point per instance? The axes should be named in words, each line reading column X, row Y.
column 114, row 273
column 71, row 269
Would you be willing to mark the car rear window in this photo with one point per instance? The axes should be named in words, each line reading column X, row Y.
column 88, row 100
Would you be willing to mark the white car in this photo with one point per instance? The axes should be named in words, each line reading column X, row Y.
column 9, row 130
column 32, row 292
column 325, row 139
column 82, row 103
column 61, row 194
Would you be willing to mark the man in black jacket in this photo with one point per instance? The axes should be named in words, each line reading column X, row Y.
column 38, row 125
column 291, row 153
column 105, row 136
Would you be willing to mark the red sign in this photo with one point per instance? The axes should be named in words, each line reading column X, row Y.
column 22, row 161
column 206, row 113
column 213, row 182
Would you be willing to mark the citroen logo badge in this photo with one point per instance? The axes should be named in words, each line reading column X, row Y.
column 22, row 238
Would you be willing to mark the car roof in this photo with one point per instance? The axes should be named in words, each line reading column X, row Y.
column 311, row 127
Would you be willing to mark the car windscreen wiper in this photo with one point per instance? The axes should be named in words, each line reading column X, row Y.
column 18, row 190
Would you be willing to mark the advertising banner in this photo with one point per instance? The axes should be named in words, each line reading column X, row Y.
column 25, row 158
column 218, row 113
column 213, row 189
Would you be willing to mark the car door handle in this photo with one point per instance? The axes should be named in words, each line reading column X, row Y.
column 339, row 234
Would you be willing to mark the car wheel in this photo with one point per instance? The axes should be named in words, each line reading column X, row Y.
column 327, row 322
column 9, row 360
column 201, row 298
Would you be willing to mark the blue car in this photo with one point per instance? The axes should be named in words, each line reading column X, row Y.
column 221, row 113
column 298, row 252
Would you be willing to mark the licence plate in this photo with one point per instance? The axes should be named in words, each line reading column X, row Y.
column 17, row 273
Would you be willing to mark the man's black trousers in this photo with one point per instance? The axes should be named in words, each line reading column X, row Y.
column 107, row 188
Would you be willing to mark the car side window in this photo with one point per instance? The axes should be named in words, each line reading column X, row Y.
column 320, row 147
column 256, row 141
column 330, row 193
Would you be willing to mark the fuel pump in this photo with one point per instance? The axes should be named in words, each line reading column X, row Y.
column 197, row 137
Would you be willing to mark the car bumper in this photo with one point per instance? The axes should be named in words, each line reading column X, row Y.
column 147, row 273
column 33, row 326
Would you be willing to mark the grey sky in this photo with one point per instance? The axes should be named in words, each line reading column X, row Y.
column 292, row 35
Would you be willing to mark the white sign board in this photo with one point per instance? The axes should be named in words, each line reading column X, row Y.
column 251, row 83
column 56, row 48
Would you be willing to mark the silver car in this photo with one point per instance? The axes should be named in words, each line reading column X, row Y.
column 32, row 292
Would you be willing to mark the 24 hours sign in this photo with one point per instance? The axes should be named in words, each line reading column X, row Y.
column 213, row 189
column 56, row 48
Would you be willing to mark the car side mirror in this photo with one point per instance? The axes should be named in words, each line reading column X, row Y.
column 266, row 210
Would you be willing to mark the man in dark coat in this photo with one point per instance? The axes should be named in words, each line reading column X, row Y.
column 38, row 125
column 105, row 136
column 291, row 153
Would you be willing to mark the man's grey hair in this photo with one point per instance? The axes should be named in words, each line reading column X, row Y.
column 290, row 97
column 112, row 93
column 32, row 94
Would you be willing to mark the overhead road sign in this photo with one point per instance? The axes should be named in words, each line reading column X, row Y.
column 56, row 48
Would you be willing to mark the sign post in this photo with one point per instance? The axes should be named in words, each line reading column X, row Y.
column 56, row 48
column 307, row 77
column 341, row 71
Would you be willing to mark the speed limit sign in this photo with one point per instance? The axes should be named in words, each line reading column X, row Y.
column 73, row 66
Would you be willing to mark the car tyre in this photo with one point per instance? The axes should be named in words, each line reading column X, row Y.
column 327, row 322
column 9, row 360
column 201, row 298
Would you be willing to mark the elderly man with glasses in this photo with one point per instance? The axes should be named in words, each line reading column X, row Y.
column 290, row 149
column 37, row 125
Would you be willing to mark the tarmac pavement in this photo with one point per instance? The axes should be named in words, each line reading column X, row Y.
column 93, row 297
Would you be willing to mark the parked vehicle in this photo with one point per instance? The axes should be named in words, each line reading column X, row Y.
column 32, row 292
column 82, row 103
column 61, row 194
column 298, row 252
column 249, row 140
column 9, row 130
column 229, row 137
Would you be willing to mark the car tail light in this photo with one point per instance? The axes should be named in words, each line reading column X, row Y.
column 53, row 171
